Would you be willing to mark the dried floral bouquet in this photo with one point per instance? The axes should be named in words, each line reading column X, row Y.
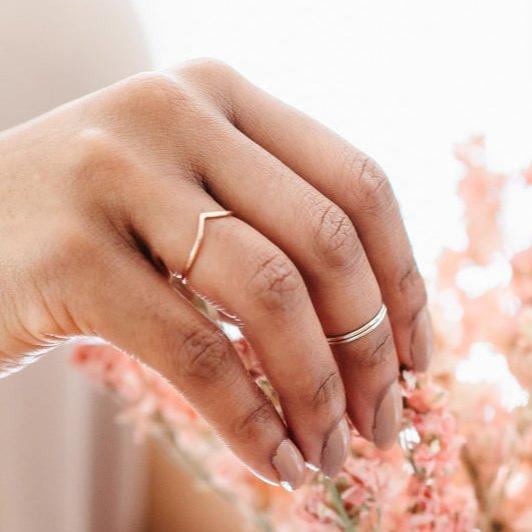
column 464, row 458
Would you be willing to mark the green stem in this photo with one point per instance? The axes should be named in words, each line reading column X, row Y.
column 338, row 503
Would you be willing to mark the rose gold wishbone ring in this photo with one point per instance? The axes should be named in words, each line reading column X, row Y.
column 203, row 217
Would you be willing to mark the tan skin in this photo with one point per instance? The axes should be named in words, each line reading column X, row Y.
column 99, row 201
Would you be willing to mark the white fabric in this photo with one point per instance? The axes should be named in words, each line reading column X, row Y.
column 64, row 464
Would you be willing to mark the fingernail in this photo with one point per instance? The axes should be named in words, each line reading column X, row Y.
column 262, row 477
column 388, row 417
column 289, row 465
column 335, row 450
column 312, row 467
column 422, row 342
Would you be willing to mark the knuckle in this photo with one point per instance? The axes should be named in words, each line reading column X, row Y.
column 411, row 288
column 377, row 351
column 205, row 355
column 335, row 239
column 214, row 79
column 208, row 67
column 276, row 283
column 98, row 152
column 369, row 184
column 145, row 84
column 154, row 93
column 409, row 279
column 252, row 422
column 328, row 393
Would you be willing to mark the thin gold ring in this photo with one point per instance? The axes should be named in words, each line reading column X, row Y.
column 200, row 233
column 371, row 325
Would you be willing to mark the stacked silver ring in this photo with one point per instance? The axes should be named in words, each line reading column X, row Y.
column 361, row 331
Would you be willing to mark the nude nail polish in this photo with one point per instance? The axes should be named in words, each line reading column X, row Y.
column 388, row 417
column 312, row 467
column 335, row 450
column 260, row 476
column 422, row 342
column 289, row 465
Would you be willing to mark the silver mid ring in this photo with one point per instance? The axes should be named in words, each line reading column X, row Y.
column 361, row 331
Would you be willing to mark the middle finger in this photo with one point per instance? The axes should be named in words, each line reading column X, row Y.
column 322, row 242
column 241, row 270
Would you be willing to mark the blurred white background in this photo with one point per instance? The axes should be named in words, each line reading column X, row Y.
column 403, row 80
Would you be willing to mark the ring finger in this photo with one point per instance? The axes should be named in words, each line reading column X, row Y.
column 323, row 243
column 241, row 271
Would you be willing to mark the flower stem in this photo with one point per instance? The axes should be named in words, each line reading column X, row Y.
column 338, row 503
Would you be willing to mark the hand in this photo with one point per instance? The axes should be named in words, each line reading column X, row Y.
column 100, row 201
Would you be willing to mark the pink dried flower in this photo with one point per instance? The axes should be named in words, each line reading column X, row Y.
column 481, row 191
column 527, row 174
column 520, row 355
column 522, row 275
column 465, row 460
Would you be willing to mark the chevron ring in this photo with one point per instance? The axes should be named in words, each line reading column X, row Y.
column 203, row 217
